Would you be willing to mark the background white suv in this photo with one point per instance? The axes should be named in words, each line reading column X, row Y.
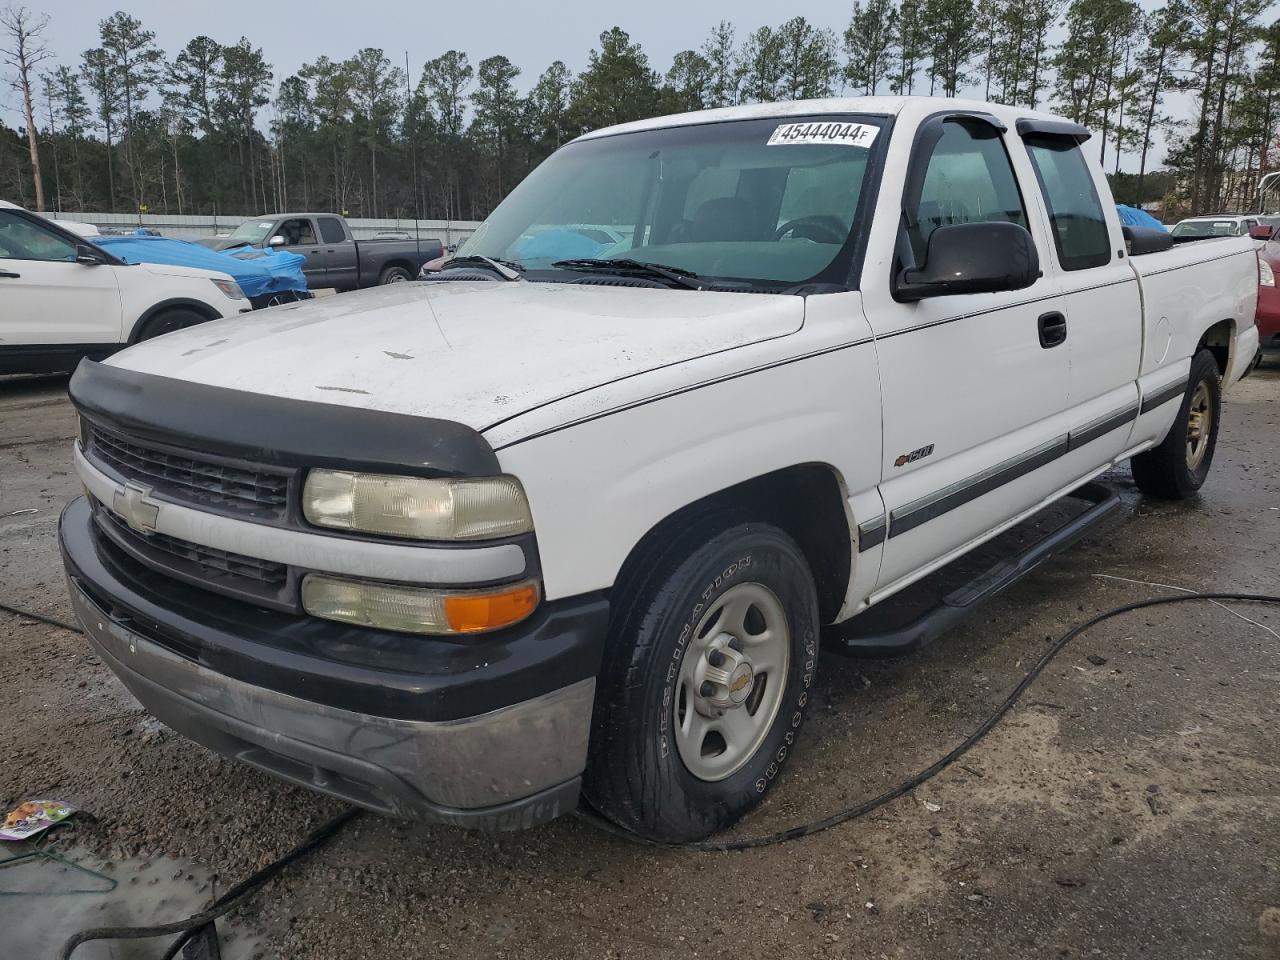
column 62, row 298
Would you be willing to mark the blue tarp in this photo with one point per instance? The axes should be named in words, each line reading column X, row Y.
column 257, row 271
column 1133, row 217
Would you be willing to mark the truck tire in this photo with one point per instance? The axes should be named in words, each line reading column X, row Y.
column 167, row 321
column 1177, row 468
column 394, row 275
column 712, row 651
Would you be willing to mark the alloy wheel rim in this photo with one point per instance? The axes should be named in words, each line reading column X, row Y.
column 1199, row 425
column 731, row 681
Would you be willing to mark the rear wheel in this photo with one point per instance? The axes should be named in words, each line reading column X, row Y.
column 712, row 652
column 394, row 275
column 1177, row 468
column 170, row 320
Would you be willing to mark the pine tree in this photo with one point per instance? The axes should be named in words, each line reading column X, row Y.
column 760, row 65
column 952, row 42
column 618, row 84
column 688, row 83
column 868, row 40
column 1158, row 63
column 375, row 97
column 807, row 60
column 720, row 52
column 912, row 46
column 134, row 63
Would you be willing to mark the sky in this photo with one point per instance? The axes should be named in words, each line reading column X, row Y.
column 531, row 35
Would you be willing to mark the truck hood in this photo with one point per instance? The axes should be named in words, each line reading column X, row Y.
column 473, row 352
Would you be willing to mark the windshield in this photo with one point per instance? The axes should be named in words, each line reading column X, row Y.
column 771, row 202
column 1208, row 228
column 253, row 231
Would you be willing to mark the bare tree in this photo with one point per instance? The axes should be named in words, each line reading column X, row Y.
column 23, row 52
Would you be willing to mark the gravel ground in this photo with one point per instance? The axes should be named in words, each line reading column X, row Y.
column 1126, row 808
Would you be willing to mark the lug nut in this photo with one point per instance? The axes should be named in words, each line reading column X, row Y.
column 736, row 644
column 707, row 689
column 715, row 658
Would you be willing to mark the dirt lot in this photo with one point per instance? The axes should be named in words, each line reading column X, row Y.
column 1127, row 807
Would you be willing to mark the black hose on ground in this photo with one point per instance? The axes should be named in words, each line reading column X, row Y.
column 862, row 809
column 51, row 621
column 238, row 894
column 224, row 904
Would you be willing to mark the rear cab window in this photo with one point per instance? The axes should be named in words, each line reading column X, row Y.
column 331, row 230
column 1076, row 217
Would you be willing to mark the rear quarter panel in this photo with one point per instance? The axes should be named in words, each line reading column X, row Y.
column 1185, row 292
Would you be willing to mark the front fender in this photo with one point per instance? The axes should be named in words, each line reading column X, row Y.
column 597, row 486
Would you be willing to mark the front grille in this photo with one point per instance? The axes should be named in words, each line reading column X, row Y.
column 242, row 488
column 248, row 578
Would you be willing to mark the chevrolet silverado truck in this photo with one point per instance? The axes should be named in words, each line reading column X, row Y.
column 63, row 298
column 333, row 257
column 554, row 526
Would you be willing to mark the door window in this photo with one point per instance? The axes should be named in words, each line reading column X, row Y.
column 297, row 233
column 1075, row 212
column 331, row 230
column 23, row 239
column 968, row 179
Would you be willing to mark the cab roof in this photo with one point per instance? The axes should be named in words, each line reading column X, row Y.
column 913, row 108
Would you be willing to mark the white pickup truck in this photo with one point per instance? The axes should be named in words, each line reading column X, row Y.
column 63, row 298
column 571, row 518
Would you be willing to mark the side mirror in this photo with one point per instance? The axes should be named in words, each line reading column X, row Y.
column 88, row 256
column 971, row 258
column 1261, row 232
column 276, row 241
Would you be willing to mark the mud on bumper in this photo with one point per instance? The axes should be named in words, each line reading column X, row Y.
column 506, row 766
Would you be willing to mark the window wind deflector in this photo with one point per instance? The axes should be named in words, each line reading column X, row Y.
column 1028, row 126
column 987, row 118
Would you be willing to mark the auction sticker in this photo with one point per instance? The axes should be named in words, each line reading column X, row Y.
column 833, row 132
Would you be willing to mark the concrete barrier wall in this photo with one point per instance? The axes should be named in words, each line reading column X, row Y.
column 192, row 228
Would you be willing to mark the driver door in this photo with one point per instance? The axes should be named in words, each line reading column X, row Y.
column 300, row 236
column 970, row 386
column 46, row 297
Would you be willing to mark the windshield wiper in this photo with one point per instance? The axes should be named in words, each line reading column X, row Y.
column 506, row 269
column 677, row 275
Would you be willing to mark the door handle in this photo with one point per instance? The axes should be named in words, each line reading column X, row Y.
column 1053, row 329
column 10, row 276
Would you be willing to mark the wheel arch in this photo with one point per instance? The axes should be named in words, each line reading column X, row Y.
column 1220, row 340
column 186, row 303
column 398, row 262
column 808, row 501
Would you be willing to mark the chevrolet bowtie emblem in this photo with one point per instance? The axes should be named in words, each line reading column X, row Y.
column 133, row 505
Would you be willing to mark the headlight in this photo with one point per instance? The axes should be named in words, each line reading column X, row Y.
column 390, row 606
column 424, row 509
column 230, row 288
column 1266, row 276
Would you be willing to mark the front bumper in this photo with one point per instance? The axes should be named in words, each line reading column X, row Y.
column 295, row 697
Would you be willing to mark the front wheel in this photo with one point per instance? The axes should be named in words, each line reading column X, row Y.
column 1177, row 468
column 177, row 318
column 712, row 651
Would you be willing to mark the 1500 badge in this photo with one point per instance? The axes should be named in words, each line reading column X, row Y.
column 913, row 456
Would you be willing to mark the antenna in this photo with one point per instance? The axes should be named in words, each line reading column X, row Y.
column 413, row 150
